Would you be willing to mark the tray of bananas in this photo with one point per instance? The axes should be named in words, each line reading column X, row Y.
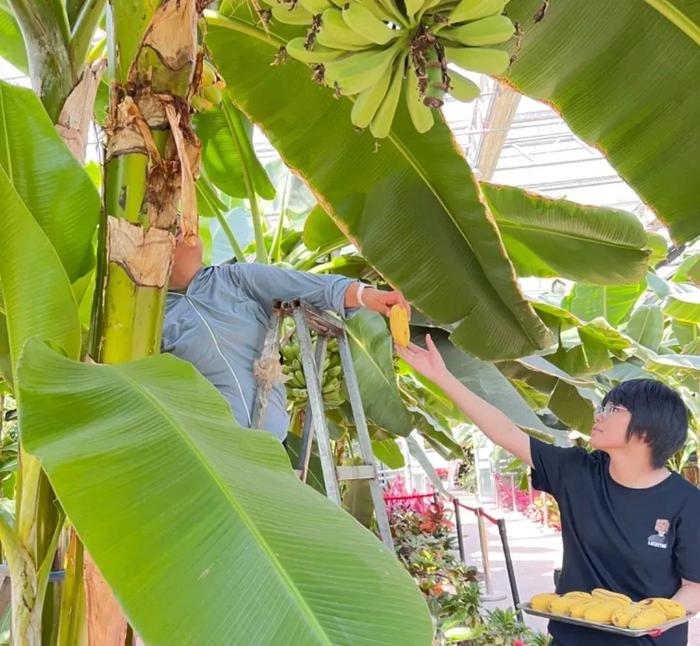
column 609, row 611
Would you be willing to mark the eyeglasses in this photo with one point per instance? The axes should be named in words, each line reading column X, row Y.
column 608, row 409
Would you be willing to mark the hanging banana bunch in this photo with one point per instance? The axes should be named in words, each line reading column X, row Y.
column 209, row 92
column 378, row 51
column 331, row 389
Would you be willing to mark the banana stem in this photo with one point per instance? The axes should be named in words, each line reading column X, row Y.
column 234, row 24
column 672, row 13
column 238, row 134
column 277, row 243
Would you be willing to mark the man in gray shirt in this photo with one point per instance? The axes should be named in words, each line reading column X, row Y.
column 216, row 318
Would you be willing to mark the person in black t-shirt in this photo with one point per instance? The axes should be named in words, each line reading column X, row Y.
column 628, row 524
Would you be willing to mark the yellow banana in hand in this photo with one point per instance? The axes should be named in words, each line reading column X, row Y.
column 398, row 322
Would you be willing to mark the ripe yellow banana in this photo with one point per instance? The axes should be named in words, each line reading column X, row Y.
column 601, row 593
column 359, row 70
column 578, row 609
column 647, row 618
column 368, row 101
column 479, row 59
column 461, row 88
column 336, row 34
column 562, row 605
column 421, row 115
column 672, row 609
column 624, row 614
column 364, row 23
column 296, row 48
column 541, row 601
column 381, row 124
column 291, row 15
column 475, row 9
column 601, row 612
column 398, row 322
column 487, row 31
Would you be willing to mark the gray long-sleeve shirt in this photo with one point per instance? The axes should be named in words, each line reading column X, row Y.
column 218, row 324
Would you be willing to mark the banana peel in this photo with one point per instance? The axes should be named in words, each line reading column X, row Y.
column 398, row 322
column 541, row 601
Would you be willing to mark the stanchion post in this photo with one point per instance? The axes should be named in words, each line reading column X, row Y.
column 458, row 525
column 509, row 567
column 545, row 511
column 483, row 542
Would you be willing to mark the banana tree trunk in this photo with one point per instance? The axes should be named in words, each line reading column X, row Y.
column 151, row 160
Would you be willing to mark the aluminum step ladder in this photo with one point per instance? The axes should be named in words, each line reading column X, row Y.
column 307, row 318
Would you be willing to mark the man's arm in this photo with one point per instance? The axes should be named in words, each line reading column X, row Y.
column 265, row 283
column 491, row 421
column 689, row 595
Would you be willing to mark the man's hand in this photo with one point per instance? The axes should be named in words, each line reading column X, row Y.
column 382, row 302
column 375, row 299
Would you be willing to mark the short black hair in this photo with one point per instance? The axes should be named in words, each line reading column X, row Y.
column 659, row 416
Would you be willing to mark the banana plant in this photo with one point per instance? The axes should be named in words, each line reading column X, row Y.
column 410, row 205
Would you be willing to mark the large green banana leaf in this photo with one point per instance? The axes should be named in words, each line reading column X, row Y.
column 624, row 77
column 485, row 380
column 548, row 238
column 646, row 326
column 11, row 41
column 36, row 291
column 544, row 237
column 148, row 451
column 684, row 307
column 228, row 156
column 410, row 204
column 372, row 352
column 51, row 183
column 613, row 303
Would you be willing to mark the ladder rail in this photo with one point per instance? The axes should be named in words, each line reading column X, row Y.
column 358, row 413
column 306, row 318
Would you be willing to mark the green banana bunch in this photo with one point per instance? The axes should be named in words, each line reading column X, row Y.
column 331, row 388
column 209, row 93
column 371, row 50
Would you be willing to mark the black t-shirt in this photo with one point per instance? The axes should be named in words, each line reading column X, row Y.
column 640, row 542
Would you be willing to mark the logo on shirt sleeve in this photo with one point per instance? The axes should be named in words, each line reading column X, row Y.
column 660, row 539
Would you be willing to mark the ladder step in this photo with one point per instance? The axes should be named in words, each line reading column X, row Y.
column 357, row 472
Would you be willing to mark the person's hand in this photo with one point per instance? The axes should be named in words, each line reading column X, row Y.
column 428, row 362
column 382, row 302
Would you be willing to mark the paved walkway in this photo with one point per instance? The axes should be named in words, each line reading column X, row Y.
column 535, row 551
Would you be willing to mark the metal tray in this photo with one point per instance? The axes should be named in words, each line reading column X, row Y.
column 651, row 632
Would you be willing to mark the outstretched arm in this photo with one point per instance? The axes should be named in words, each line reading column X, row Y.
column 492, row 422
